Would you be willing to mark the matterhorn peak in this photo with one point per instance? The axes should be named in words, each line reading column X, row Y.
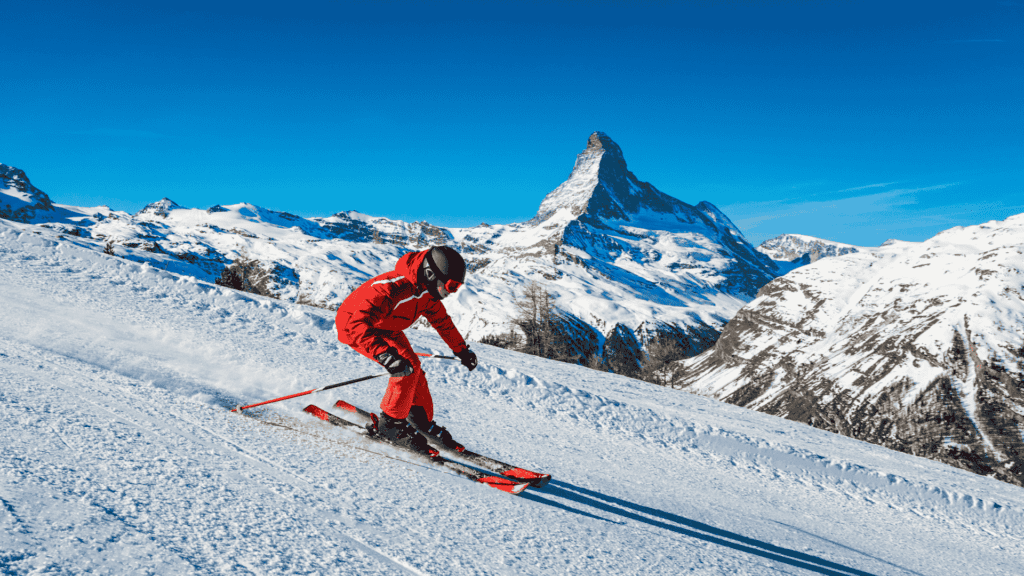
column 599, row 141
column 573, row 197
column 602, row 192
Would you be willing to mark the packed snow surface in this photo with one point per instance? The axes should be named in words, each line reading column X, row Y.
column 120, row 457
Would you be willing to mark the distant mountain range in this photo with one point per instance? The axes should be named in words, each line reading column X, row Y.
column 624, row 262
column 917, row 346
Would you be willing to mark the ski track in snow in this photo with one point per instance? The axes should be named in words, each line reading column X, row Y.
column 120, row 458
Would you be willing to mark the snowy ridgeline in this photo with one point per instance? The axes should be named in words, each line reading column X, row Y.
column 802, row 250
column 621, row 259
column 119, row 456
column 917, row 346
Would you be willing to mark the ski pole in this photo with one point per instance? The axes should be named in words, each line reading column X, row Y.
column 328, row 387
column 425, row 355
column 339, row 384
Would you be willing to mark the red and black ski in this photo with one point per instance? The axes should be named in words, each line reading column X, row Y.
column 503, row 484
column 535, row 479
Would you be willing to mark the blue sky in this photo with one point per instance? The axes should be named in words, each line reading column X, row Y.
column 852, row 121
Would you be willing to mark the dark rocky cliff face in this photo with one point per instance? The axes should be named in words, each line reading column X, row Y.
column 620, row 194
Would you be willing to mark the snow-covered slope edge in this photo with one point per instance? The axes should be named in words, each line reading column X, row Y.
column 118, row 456
column 915, row 346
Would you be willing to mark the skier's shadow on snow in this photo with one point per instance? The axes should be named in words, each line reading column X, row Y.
column 685, row 526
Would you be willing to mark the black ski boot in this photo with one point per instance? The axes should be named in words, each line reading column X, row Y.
column 418, row 418
column 401, row 433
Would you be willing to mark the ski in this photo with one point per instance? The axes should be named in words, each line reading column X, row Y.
column 503, row 484
column 535, row 479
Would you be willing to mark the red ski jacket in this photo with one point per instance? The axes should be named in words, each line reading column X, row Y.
column 391, row 302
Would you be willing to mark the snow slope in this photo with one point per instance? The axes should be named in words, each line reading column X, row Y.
column 119, row 457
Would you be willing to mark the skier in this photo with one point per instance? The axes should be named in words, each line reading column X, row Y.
column 371, row 321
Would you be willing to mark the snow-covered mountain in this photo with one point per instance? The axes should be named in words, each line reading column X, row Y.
column 20, row 201
column 622, row 260
column 118, row 455
column 915, row 346
column 807, row 249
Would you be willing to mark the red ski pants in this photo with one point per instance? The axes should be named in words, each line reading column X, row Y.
column 408, row 391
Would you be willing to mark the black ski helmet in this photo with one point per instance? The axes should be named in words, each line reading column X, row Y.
column 442, row 264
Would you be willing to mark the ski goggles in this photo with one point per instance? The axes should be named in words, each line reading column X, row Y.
column 452, row 286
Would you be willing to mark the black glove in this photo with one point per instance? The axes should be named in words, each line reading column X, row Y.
column 468, row 358
column 394, row 363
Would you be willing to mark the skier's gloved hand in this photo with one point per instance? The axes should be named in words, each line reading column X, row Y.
column 468, row 358
column 394, row 363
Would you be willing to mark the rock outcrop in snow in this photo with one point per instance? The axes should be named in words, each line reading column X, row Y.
column 19, row 199
column 796, row 247
column 159, row 208
column 915, row 346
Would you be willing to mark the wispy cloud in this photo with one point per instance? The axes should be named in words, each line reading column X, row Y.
column 881, row 185
column 828, row 218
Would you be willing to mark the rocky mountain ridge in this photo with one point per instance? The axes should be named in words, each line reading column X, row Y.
column 21, row 199
column 805, row 249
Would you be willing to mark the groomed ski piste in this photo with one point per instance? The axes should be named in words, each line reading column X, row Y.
column 120, row 456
